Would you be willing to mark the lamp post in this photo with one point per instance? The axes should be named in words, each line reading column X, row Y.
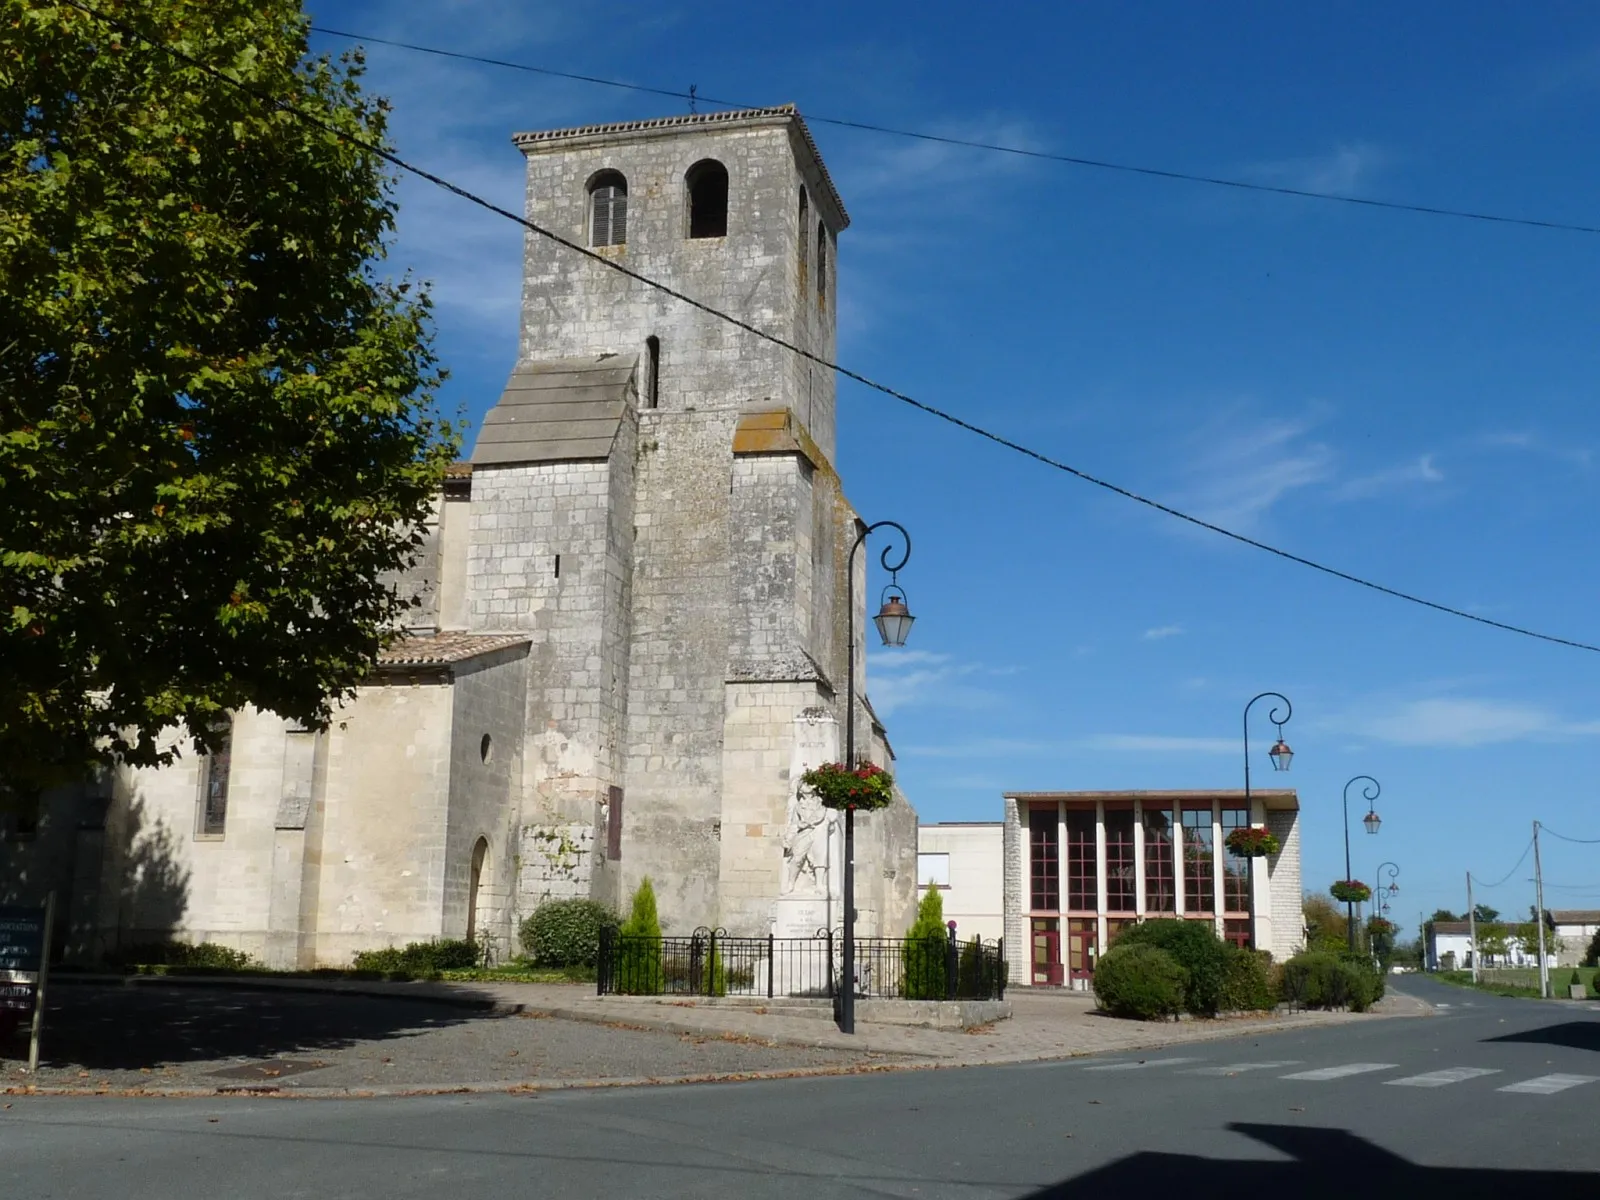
column 1281, row 756
column 1372, row 820
column 894, row 623
column 1380, row 894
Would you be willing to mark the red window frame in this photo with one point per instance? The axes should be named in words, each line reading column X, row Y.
column 1199, row 863
column 1044, row 861
column 1083, row 877
column 1121, row 874
column 1235, row 868
column 1160, row 887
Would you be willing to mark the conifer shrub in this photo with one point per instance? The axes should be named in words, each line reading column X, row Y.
column 565, row 933
column 638, row 966
column 924, row 952
column 1195, row 946
column 1141, row 982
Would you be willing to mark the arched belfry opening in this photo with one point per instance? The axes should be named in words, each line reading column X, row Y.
column 707, row 187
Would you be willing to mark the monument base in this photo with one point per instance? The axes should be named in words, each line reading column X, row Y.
column 801, row 966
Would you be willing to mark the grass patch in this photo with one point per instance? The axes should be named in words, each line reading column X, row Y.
column 1517, row 982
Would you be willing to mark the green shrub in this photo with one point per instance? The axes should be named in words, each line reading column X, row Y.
column 1591, row 956
column 1140, row 982
column 923, row 955
column 421, row 960
column 1575, row 982
column 202, row 955
column 1594, row 985
column 1318, row 979
column 565, row 933
column 971, row 980
column 638, row 968
column 1247, row 981
column 1194, row 946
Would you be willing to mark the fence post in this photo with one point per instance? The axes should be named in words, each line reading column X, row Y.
column 771, row 945
column 833, row 992
column 602, row 969
column 711, row 966
column 1001, row 979
column 952, row 964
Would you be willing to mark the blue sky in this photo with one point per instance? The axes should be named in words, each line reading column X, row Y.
column 1405, row 397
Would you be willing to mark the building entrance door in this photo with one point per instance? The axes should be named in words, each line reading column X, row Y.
column 1081, row 937
column 1046, row 952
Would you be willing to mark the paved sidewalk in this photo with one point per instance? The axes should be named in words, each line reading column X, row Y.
column 335, row 1038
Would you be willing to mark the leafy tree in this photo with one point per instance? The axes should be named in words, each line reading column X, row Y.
column 1328, row 926
column 217, row 428
column 924, row 952
column 1444, row 914
column 1482, row 913
column 1591, row 956
column 1493, row 941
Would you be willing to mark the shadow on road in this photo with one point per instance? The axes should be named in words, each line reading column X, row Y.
column 129, row 1028
column 1325, row 1164
column 1575, row 1035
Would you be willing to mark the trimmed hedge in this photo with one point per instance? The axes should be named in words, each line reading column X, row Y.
column 203, row 955
column 422, row 959
column 1194, row 946
column 1318, row 979
column 566, row 933
column 1140, row 981
column 1247, row 981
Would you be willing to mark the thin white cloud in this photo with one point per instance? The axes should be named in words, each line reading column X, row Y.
column 1342, row 171
column 1144, row 743
column 1240, row 473
column 1161, row 633
column 1529, row 442
column 925, row 679
column 1462, row 722
column 1405, row 475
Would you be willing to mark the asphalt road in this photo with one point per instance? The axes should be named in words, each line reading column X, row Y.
column 1486, row 1099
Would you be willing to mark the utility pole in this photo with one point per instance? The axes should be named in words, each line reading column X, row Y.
column 1538, row 905
column 1472, row 929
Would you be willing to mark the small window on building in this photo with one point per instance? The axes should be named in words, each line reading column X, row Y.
column 933, row 870
column 608, row 209
column 652, row 382
column 614, row 823
column 804, row 239
column 1120, row 872
column 214, row 770
column 707, row 184
column 821, row 266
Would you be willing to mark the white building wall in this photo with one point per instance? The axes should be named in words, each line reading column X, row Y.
column 975, row 897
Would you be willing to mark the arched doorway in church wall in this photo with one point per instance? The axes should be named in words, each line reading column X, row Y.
column 475, row 891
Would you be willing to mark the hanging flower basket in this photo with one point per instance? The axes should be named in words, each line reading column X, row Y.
column 865, row 789
column 1252, row 841
column 1381, row 927
column 1351, row 891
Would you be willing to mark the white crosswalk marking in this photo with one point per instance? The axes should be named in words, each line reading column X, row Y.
column 1546, row 1085
column 1140, row 1066
column 1235, row 1068
column 1442, row 1078
column 1326, row 1073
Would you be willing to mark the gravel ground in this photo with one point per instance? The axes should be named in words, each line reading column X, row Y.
column 121, row 1038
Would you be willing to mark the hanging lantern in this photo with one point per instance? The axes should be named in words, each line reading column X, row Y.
column 1280, row 754
column 894, row 618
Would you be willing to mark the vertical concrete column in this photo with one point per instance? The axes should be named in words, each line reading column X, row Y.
column 288, row 850
column 1177, row 859
column 1061, row 864
column 1260, row 886
column 1019, row 943
column 1100, row 874
column 1218, row 887
column 1138, row 856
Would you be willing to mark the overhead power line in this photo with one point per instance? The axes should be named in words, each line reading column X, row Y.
column 755, row 331
column 1580, row 841
column 1073, row 160
column 1508, row 874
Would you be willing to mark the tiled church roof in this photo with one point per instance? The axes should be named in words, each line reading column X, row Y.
column 564, row 410
column 441, row 649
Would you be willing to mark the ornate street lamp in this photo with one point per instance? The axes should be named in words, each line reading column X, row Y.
column 1371, row 821
column 1380, row 894
column 1281, row 756
column 894, row 623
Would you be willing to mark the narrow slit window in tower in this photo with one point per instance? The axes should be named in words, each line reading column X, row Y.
column 652, row 382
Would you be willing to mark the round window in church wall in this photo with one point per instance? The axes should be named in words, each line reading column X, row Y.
column 486, row 747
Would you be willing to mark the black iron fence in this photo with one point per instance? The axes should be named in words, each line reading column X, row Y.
column 711, row 963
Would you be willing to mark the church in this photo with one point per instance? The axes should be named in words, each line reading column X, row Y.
column 631, row 636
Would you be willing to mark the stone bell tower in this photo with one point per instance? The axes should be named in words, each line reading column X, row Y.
column 654, row 503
